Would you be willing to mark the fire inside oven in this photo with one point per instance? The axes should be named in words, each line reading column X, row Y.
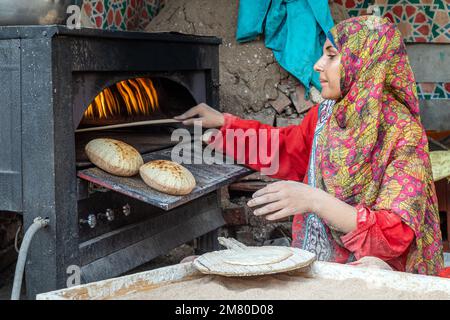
column 139, row 97
column 131, row 102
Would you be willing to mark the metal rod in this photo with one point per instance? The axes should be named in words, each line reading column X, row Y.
column 127, row 125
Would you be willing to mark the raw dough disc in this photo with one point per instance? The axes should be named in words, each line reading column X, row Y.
column 255, row 256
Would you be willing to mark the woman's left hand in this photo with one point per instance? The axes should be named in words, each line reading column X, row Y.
column 284, row 198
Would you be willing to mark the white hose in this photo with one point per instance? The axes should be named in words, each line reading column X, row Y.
column 38, row 223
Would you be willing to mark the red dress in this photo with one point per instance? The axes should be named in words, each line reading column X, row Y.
column 379, row 233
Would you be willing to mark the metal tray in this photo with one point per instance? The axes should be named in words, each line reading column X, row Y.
column 209, row 177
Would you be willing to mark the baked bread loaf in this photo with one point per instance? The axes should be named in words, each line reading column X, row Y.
column 168, row 177
column 114, row 156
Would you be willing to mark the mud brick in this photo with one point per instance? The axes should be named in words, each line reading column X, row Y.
column 235, row 216
column 248, row 186
column 281, row 103
column 298, row 98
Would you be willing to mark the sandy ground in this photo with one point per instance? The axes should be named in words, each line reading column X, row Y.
column 279, row 287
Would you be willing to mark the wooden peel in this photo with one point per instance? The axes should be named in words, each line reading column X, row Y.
column 231, row 243
column 127, row 125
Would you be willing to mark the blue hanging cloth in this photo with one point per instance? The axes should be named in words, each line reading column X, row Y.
column 294, row 29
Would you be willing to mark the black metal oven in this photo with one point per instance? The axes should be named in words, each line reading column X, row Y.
column 50, row 76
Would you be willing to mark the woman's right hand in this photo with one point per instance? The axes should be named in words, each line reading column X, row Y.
column 209, row 117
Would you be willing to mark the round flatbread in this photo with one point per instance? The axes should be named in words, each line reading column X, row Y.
column 256, row 256
column 252, row 261
column 114, row 156
column 168, row 177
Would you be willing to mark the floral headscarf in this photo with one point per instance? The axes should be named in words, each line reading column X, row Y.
column 373, row 150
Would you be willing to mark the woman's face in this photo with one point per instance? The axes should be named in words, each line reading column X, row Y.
column 328, row 67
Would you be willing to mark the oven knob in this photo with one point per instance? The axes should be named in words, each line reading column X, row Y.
column 108, row 215
column 91, row 221
column 126, row 210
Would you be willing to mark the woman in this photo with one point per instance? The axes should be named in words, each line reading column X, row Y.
column 362, row 156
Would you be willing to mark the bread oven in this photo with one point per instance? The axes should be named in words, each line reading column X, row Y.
column 60, row 88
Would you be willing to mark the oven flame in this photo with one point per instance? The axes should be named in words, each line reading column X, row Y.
column 133, row 97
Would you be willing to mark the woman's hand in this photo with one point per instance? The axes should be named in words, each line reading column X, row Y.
column 209, row 117
column 285, row 198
